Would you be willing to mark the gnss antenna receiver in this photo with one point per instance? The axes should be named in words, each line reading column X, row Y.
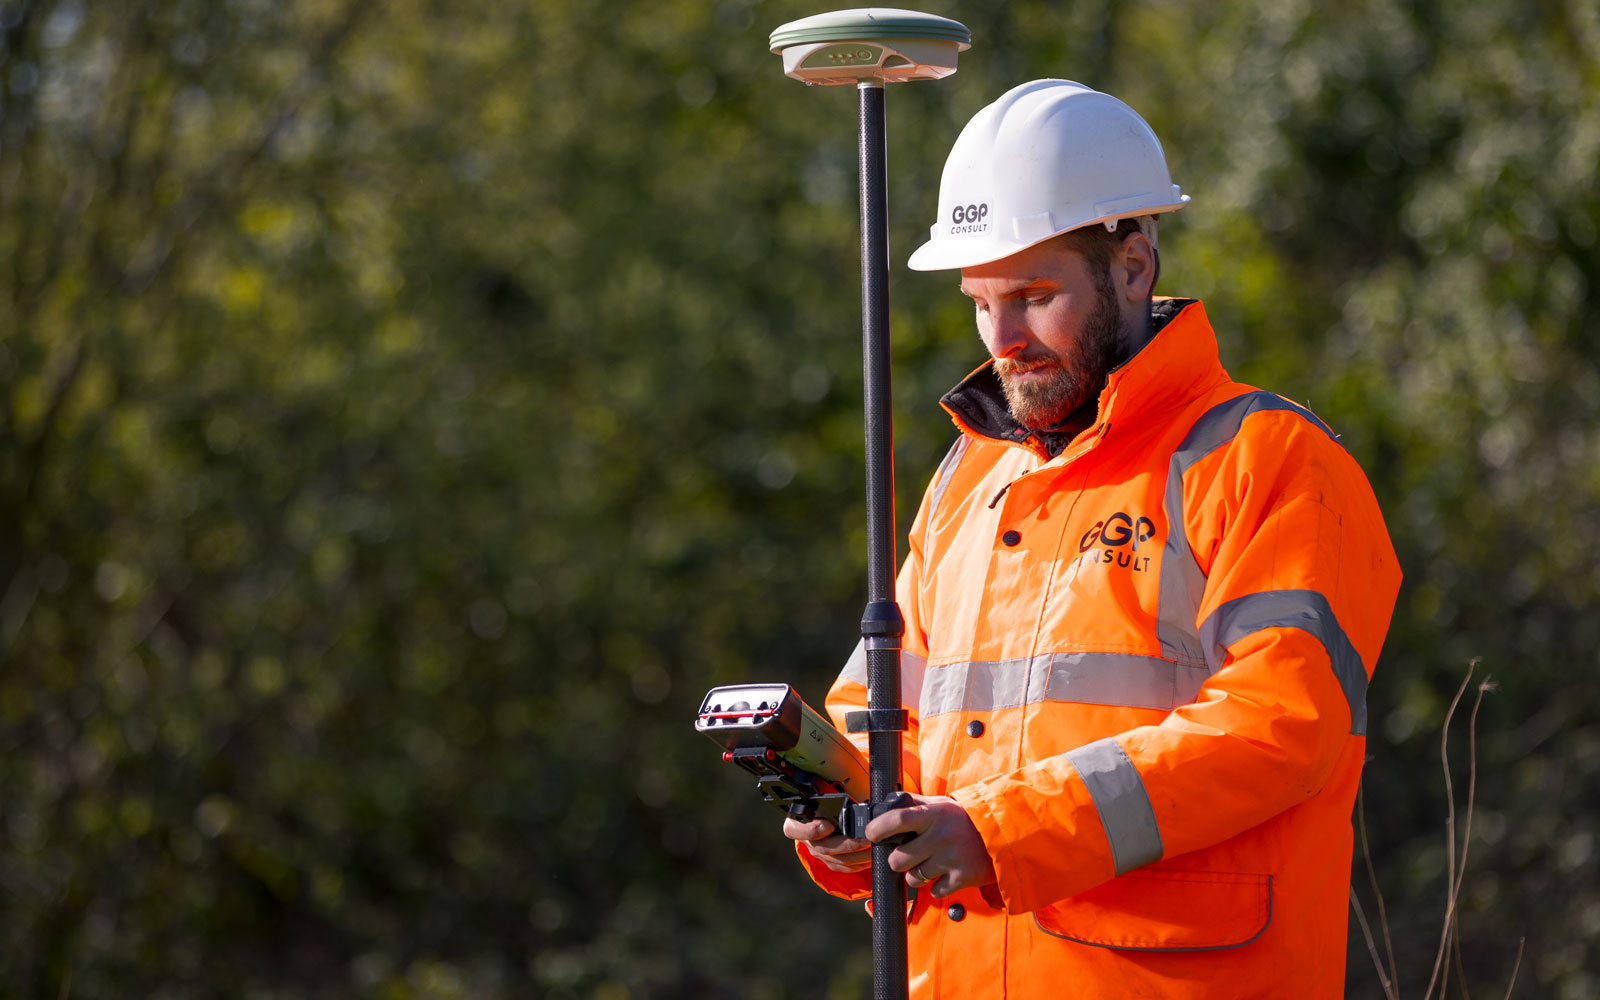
column 869, row 47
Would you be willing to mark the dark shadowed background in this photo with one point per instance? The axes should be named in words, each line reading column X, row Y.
column 411, row 408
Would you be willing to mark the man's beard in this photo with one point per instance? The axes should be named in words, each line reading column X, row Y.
column 1068, row 383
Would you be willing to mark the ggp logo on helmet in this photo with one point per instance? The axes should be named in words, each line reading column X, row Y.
column 969, row 213
column 965, row 220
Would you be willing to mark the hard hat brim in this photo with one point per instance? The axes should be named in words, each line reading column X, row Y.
column 948, row 254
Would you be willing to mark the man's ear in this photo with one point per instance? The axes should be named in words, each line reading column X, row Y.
column 1141, row 267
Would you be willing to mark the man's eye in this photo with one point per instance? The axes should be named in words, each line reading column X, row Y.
column 1039, row 300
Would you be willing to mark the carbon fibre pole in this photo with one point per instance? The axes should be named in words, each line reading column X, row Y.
column 869, row 47
column 882, row 625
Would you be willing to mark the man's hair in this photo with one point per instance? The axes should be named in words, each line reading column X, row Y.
column 1097, row 244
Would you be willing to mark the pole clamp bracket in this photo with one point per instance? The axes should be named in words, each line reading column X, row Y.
column 855, row 816
column 876, row 720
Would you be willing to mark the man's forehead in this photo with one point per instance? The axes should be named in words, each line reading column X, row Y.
column 1045, row 263
column 1006, row 284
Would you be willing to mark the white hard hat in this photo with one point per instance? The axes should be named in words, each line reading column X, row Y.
column 1048, row 156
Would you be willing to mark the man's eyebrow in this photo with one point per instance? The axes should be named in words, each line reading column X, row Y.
column 1016, row 288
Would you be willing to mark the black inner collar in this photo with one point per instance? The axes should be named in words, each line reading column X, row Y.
column 981, row 404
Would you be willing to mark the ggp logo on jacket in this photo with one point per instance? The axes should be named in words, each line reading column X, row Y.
column 1119, row 531
column 1116, row 530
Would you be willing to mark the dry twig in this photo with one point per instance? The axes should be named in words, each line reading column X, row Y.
column 1515, row 966
column 1450, row 844
column 1449, row 951
column 1391, row 983
column 1372, row 948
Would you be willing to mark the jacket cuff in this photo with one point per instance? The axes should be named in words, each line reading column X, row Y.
column 855, row 885
column 984, row 812
column 1029, row 873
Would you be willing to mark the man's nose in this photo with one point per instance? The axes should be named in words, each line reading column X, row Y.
column 1007, row 334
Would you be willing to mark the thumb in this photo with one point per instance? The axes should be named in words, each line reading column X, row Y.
column 814, row 830
column 903, row 813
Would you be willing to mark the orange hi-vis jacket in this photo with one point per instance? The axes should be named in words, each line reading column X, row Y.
column 1141, row 668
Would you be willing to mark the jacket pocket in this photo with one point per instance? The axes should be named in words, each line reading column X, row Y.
column 1165, row 909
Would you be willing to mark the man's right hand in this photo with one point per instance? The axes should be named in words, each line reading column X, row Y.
column 840, row 854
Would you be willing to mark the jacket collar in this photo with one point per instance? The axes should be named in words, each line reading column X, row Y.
column 1177, row 362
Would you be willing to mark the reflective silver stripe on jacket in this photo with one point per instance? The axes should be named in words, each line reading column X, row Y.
column 1120, row 799
column 1182, row 583
column 1121, row 679
column 941, row 482
column 912, row 667
column 1306, row 610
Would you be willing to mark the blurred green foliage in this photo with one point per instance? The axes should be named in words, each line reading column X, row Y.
column 411, row 408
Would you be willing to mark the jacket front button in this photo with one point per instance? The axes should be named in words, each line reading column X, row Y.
column 974, row 729
column 956, row 912
column 1011, row 538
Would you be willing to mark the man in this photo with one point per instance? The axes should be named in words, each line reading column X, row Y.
column 1142, row 604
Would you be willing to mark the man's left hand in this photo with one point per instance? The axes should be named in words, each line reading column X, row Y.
column 947, row 853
